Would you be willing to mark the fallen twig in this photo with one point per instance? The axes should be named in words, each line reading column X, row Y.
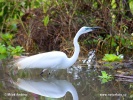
column 131, row 77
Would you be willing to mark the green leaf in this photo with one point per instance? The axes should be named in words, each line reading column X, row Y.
column 46, row 20
column 15, row 50
column 113, row 43
column 2, row 56
column 112, row 57
column 6, row 36
column 113, row 4
column 36, row 4
column 104, row 74
column 14, row 26
column 2, row 12
column 95, row 5
column 105, row 77
column 2, row 49
column 104, row 81
column 2, row 0
column 131, row 6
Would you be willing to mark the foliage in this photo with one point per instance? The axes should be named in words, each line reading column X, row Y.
column 15, row 50
column 9, row 51
column 131, row 93
column 6, row 48
column 112, row 57
column 9, row 17
column 6, row 38
column 3, row 51
column 105, row 77
column 117, row 27
column 131, row 86
column 46, row 20
column 131, row 5
column 110, row 43
column 50, row 25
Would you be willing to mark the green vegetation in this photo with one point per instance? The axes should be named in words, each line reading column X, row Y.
column 46, row 20
column 131, row 5
column 112, row 57
column 42, row 25
column 131, row 87
column 6, row 48
column 105, row 77
column 8, row 29
column 10, row 51
column 15, row 50
column 3, row 52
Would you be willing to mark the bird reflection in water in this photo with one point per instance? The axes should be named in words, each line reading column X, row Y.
column 49, row 88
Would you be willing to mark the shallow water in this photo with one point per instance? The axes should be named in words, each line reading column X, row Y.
column 29, row 85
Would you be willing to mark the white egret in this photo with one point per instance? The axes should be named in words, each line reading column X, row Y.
column 56, row 59
column 49, row 88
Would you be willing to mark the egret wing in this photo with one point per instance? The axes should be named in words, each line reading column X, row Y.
column 43, row 60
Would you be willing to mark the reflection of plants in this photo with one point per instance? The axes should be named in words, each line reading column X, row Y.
column 105, row 77
column 131, row 86
column 131, row 93
column 112, row 57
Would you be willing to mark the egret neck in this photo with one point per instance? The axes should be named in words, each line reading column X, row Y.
column 73, row 59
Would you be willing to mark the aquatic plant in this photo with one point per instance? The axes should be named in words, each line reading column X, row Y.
column 105, row 77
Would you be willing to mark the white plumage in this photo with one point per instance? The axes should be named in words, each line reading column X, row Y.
column 43, row 60
column 55, row 59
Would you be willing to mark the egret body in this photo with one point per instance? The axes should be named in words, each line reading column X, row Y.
column 56, row 59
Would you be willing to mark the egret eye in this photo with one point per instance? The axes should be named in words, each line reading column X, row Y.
column 86, row 28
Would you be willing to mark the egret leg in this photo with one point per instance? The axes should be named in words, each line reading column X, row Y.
column 43, row 72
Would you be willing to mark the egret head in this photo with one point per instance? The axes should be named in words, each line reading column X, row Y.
column 85, row 29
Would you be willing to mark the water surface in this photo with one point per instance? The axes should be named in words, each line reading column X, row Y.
column 78, row 81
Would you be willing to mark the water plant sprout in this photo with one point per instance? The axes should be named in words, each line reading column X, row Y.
column 56, row 59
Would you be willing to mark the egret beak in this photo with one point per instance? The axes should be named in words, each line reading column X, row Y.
column 94, row 28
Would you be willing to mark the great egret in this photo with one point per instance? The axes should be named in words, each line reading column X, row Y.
column 56, row 59
column 49, row 88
